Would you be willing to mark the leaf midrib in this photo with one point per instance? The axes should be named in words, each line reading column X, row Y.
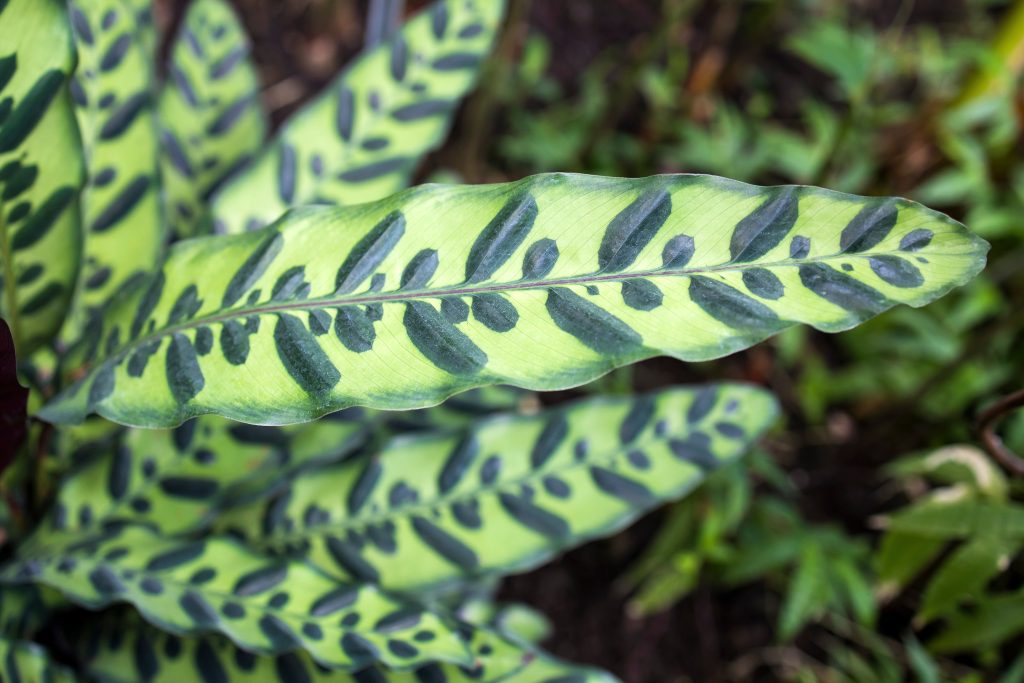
column 401, row 296
column 535, row 476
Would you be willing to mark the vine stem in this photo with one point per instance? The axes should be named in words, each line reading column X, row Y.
column 993, row 442
column 10, row 296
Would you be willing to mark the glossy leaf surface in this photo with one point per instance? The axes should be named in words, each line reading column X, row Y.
column 41, row 171
column 215, row 584
column 508, row 493
column 121, row 209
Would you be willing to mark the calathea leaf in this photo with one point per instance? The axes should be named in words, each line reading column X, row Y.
column 23, row 609
column 175, row 480
column 264, row 606
column 41, row 171
column 121, row 208
column 544, row 283
column 21, row 661
column 363, row 138
column 148, row 31
column 147, row 654
column 210, row 114
column 507, row 494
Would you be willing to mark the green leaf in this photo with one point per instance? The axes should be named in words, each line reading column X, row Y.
column 212, row 122
column 178, row 480
column 965, row 573
column 923, row 664
column 545, row 283
column 960, row 519
column 807, row 593
column 508, row 493
column 41, row 171
column 23, row 609
column 121, row 209
column 24, row 662
column 986, row 625
column 901, row 557
column 363, row 138
column 265, row 606
column 147, row 654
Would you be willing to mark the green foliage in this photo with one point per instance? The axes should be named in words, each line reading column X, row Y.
column 363, row 137
column 23, row 661
column 384, row 319
column 41, row 171
column 122, row 215
column 212, row 122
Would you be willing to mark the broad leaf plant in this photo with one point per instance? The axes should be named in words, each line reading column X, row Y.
column 282, row 427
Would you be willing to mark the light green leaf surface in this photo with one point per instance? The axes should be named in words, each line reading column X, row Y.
column 24, row 662
column 41, row 171
column 177, row 480
column 265, row 606
column 507, row 494
column 545, row 283
column 965, row 573
column 363, row 138
column 212, row 122
column 146, row 654
column 122, row 216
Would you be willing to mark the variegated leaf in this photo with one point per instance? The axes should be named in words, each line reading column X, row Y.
column 146, row 654
column 545, row 283
column 506, row 494
column 25, row 662
column 268, row 607
column 210, row 114
column 363, row 138
column 121, row 209
column 177, row 480
column 41, row 171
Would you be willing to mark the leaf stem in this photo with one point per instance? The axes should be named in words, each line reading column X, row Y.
column 992, row 441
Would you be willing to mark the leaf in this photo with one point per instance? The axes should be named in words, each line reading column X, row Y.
column 212, row 122
column 506, row 494
column 987, row 625
column 964, row 574
column 807, row 593
column 23, row 610
column 923, row 664
column 41, row 171
column 21, row 661
column 363, row 137
column 545, row 283
column 901, row 557
column 960, row 519
column 147, row 654
column 178, row 480
column 121, row 209
column 265, row 606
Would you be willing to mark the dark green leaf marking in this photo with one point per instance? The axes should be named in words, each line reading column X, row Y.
column 871, row 225
column 501, row 237
column 590, row 324
column 632, row 230
column 439, row 340
column 765, row 228
column 253, row 267
column 302, row 356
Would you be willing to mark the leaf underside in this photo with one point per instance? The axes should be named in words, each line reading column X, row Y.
column 508, row 493
column 363, row 138
column 216, row 585
column 122, row 218
column 41, row 171
column 545, row 283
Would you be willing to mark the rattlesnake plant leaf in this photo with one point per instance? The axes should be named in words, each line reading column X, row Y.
column 544, row 283
column 24, row 662
column 210, row 114
column 363, row 138
column 148, row 31
column 506, row 494
column 177, row 480
column 147, row 654
column 24, row 609
column 215, row 584
column 121, row 208
column 41, row 171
